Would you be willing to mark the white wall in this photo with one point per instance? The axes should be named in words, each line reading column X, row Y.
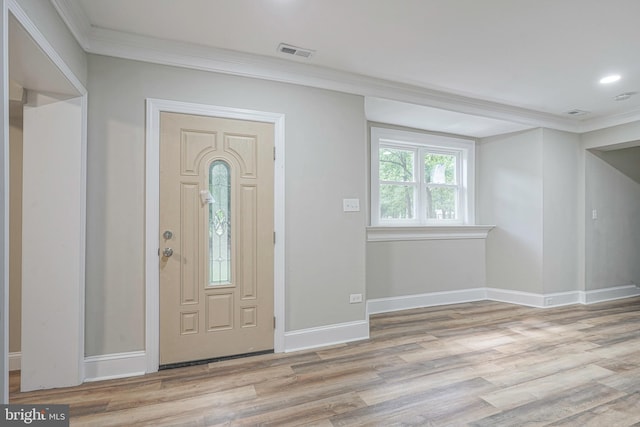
column 325, row 162
column 15, row 228
column 52, row 244
column 510, row 196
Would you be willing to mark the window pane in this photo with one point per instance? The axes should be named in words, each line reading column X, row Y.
column 441, row 203
column 396, row 201
column 440, row 168
column 396, row 165
column 220, row 224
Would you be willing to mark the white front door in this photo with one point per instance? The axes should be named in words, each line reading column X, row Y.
column 216, row 237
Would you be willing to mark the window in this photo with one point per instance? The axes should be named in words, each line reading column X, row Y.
column 219, row 224
column 420, row 179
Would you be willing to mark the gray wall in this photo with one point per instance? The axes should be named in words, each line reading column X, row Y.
column 530, row 250
column 613, row 239
column 560, row 184
column 325, row 162
column 510, row 196
column 529, row 185
column 416, row 267
column 401, row 268
column 626, row 160
column 46, row 18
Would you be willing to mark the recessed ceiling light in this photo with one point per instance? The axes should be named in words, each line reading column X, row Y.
column 610, row 79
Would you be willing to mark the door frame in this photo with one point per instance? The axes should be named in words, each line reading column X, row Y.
column 12, row 7
column 152, row 214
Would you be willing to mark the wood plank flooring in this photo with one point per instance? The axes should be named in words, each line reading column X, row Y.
column 477, row 364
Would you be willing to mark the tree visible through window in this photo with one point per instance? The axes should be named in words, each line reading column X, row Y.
column 418, row 178
column 397, row 183
column 441, row 179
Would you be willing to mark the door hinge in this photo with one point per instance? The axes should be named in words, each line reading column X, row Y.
column 274, row 153
column 274, row 322
column 274, row 237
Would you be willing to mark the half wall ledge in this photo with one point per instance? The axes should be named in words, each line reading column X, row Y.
column 440, row 232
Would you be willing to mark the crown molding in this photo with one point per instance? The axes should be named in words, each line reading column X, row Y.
column 602, row 122
column 76, row 20
column 188, row 55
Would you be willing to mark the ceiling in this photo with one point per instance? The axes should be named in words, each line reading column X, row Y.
column 516, row 63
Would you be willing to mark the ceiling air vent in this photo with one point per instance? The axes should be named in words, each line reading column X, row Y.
column 624, row 96
column 576, row 112
column 295, row 51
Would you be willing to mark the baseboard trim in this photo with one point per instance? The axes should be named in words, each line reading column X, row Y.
column 408, row 302
column 609, row 294
column 117, row 365
column 15, row 361
column 323, row 336
column 556, row 299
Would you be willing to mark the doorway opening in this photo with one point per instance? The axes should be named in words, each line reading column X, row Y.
column 47, row 199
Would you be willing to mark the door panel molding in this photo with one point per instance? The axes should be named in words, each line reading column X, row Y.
column 152, row 208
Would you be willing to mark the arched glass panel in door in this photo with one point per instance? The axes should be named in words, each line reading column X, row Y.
column 220, row 224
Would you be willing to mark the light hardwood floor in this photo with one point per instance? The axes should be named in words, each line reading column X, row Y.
column 478, row 364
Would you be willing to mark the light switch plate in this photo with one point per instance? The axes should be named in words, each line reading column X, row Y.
column 355, row 298
column 351, row 205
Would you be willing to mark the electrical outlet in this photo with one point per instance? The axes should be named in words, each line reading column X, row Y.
column 548, row 301
column 355, row 298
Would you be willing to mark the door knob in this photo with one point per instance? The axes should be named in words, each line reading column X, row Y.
column 167, row 252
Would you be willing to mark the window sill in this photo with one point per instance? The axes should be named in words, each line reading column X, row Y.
column 434, row 232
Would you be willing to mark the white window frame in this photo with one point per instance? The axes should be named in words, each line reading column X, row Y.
column 420, row 143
